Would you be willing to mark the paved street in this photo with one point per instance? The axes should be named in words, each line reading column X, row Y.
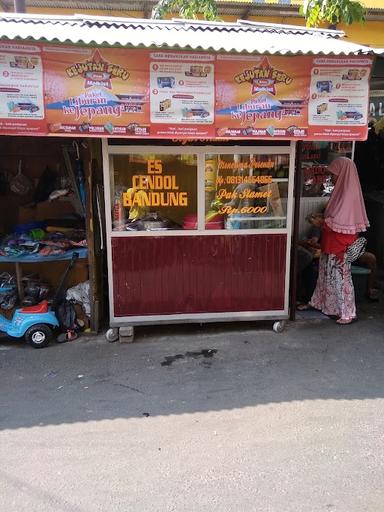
column 242, row 419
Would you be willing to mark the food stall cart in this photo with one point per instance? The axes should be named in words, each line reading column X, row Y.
column 198, row 251
column 199, row 123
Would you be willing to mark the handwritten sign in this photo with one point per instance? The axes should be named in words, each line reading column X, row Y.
column 249, row 190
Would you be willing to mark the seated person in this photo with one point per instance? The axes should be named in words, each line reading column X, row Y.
column 312, row 244
column 308, row 254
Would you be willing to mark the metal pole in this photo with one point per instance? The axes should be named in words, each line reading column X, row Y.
column 19, row 5
column 295, row 238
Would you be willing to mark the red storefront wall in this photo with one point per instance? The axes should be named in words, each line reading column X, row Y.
column 154, row 275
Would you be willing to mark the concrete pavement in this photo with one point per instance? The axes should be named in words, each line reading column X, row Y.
column 258, row 421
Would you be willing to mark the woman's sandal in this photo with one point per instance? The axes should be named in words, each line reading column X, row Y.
column 340, row 321
column 304, row 307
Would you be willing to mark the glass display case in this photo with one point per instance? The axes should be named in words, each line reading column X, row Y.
column 153, row 192
column 199, row 189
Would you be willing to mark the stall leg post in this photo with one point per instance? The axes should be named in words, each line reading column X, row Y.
column 126, row 334
column 295, row 238
column 19, row 277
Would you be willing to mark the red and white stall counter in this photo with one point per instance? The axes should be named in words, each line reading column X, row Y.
column 198, row 233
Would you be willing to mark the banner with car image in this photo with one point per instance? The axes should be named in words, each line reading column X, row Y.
column 182, row 94
column 292, row 97
column 338, row 102
column 102, row 92
column 21, row 89
column 129, row 93
column 262, row 96
column 48, row 89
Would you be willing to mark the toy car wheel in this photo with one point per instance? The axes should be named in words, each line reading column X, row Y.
column 38, row 335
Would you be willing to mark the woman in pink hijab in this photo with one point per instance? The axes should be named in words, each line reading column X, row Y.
column 344, row 218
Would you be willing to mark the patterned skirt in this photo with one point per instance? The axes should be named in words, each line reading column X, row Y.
column 334, row 294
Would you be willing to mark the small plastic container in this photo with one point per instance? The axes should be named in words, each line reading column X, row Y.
column 190, row 222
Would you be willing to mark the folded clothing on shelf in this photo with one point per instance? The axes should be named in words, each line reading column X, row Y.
column 41, row 242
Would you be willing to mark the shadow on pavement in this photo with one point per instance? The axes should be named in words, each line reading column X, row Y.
column 187, row 369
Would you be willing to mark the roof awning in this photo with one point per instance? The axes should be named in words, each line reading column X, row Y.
column 240, row 37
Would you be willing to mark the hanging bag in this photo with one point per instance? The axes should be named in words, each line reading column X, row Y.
column 20, row 184
column 356, row 249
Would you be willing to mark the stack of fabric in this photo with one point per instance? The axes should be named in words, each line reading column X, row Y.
column 42, row 240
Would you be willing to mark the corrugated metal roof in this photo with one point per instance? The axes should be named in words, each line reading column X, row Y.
column 140, row 5
column 241, row 37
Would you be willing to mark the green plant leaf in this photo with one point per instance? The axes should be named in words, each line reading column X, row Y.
column 332, row 11
column 186, row 9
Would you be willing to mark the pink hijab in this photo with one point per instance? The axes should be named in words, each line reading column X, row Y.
column 345, row 212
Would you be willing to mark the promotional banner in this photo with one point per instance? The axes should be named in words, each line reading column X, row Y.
column 315, row 158
column 21, row 90
column 96, row 91
column 338, row 105
column 262, row 96
column 301, row 97
column 116, row 92
column 182, row 95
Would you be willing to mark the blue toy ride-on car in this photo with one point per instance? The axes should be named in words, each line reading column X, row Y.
column 35, row 323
